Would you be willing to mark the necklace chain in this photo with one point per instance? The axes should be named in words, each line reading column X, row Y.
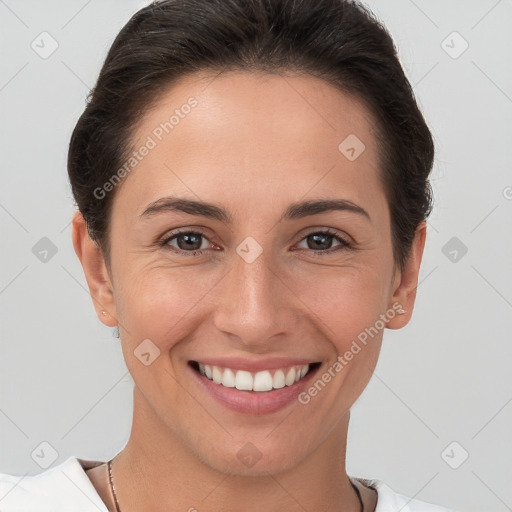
column 118, row 508
column 112, row 487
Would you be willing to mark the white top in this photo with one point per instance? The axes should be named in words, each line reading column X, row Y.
column 67, row 488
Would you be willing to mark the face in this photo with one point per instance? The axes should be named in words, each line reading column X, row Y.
column 249, row 244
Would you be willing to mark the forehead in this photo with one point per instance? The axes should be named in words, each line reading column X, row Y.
column 251, row 131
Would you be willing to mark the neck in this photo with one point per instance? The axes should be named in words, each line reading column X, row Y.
column 155, row 471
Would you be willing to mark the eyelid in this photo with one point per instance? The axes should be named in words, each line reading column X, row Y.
column 342, row 235
column 345, row 240
column 169, row 235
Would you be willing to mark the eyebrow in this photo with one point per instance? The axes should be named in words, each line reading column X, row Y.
column 297, row 210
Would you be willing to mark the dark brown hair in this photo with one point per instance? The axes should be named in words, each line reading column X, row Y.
column 339, row 41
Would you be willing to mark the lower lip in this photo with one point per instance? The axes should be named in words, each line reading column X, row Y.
column 254, row 402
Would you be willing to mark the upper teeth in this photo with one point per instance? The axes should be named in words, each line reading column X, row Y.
column 259, row 381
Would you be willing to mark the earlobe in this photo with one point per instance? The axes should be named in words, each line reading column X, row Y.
column 406, row 282
column 95, row 270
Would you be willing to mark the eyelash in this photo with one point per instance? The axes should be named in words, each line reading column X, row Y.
column 345, row 244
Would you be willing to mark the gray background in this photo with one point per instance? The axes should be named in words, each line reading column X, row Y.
column 445, row 378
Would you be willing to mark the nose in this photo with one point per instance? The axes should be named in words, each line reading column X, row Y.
column 255, row 304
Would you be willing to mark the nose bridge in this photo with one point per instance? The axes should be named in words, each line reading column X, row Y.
column 253, row 305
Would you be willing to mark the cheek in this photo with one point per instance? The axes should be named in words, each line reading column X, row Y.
column 158, row 308
column 157, row 302
column 347, row 299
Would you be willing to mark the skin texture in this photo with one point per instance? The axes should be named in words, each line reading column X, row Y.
column 254, row 144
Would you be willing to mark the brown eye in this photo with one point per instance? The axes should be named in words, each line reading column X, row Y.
column 323, row 241
column 320, row 241
column 187, row 241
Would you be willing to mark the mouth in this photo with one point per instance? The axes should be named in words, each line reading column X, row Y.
column 262, row 381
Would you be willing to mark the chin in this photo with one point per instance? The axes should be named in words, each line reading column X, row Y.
column 241, row 457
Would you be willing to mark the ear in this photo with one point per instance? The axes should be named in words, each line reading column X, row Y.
column 95, row 270
column 405, row 282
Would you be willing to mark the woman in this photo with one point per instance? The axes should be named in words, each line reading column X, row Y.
column 252, row 188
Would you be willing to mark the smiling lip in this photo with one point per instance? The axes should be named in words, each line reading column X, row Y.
column 253, row 402
column 254, row 366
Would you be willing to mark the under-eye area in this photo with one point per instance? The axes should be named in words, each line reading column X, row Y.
column 260, row 381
